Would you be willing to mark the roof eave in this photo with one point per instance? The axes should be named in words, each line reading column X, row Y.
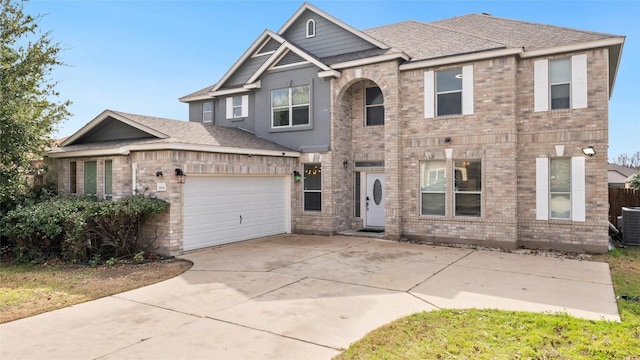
column 572, row 47
column 127, row 149
column 371, row 60
column 453, row 59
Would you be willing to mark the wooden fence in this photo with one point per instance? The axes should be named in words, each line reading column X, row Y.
column 619, row 198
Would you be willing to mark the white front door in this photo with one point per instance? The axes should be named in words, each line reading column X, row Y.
column 374, row 200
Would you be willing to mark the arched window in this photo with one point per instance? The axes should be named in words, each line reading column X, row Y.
column 311, row 28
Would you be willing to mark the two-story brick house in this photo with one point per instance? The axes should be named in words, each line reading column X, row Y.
column 473, row 129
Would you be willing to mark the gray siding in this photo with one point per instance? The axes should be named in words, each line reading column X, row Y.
column 318, row 135
column 330, row 39
column 111, row 129
column 220, row 113
column 244, row 72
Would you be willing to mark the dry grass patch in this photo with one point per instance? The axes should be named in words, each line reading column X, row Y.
column 28, row 290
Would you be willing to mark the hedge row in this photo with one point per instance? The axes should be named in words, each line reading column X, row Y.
column 77, row 229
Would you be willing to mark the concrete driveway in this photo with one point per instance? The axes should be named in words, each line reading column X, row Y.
column 303, row 297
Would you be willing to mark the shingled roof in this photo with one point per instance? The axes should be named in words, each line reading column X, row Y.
column 476, row 32
column 169, row 134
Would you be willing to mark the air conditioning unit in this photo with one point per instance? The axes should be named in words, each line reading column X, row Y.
column 631, row 225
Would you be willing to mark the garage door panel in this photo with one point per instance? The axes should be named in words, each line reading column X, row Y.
column 213, row 207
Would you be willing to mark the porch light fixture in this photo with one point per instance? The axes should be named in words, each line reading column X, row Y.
column 180, row 176
column 158, row 173
column 345, row 164
column 589, row 150
column 296, row 176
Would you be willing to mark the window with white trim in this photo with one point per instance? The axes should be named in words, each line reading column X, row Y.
column 374, row 106
column 311, row 28
column 433, row 185
column 312, row 200
column 448, row 92
column 560, row 188
column 73, row 177
column 108, row 179
column 237, row 107
column 207, row 112
column 468, row 188
column 560, row 84
column 290, row 106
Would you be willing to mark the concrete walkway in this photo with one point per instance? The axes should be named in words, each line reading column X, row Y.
column 303, row 297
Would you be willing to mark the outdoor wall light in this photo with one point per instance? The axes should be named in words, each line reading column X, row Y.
column 345, row 164
column 589, row 150
column 158, row 173
column 180, row 176
column 447, row 139
column 296, row 175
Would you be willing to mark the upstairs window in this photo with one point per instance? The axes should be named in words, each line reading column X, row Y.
column 374, row 106
column 560, row 83
column 449, row 92
column 207, row 112
column 311, row 28
column 238, row 107
column 290, row 106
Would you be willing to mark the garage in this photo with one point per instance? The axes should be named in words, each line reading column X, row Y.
column 225, row 209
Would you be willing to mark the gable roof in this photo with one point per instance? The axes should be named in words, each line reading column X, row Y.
column 345, row 26
column 168, row 134
column 458, row 39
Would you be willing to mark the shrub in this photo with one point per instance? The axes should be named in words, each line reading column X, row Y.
column 79, row 228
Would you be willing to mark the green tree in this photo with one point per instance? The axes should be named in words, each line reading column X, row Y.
column 634, row 183
column 29, row 109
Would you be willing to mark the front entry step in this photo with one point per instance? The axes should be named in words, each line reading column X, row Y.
column 366, row 232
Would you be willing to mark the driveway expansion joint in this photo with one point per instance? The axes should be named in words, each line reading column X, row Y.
column 274, row 333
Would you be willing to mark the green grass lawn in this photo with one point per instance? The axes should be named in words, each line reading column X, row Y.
column 495, row 334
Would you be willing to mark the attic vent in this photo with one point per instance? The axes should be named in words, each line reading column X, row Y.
column 311, row 28
column 486, row 14
column 270, row 46
column 631, row 225
column 290, row 58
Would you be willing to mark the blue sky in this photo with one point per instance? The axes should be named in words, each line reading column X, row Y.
column 140, row 56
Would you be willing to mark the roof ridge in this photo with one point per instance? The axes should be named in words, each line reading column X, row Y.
column 464, row 32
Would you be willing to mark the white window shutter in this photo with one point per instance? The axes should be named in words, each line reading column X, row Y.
column 542, row 189
column 245, row 105
column 429, row 95
column 578, row 188
column 467, row 90
column 230, row 108
column 541, row 85
column 579, row 81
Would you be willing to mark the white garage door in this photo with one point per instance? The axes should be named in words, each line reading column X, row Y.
column 220, row 210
